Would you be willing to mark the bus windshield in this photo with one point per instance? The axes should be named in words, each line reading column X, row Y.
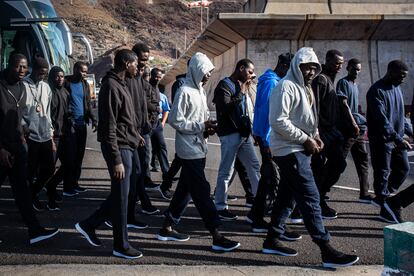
column 54, row 39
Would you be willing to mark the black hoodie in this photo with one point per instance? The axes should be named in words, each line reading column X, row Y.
column 12, row 105
column 117, row 124
column 137, row 87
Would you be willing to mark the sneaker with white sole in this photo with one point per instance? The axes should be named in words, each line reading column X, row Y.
column 224, row 244
column 42, row 234
column 260, row 227
column 225, row 214
column 150, row 210
column 171, row 235
column 130, row 254
column 332, row 258
column 290, row 236
column 88, row 233
column 274, row 246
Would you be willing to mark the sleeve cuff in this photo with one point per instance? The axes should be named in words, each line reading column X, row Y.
column 303, row 138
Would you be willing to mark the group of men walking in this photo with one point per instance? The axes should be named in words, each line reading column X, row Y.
column 304, row 125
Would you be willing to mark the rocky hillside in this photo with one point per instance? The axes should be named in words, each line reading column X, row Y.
column 109, row 24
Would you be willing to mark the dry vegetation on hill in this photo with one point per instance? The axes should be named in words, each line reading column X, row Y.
column 108, row 24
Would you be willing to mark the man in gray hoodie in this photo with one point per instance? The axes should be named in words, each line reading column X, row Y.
column 190, row 117
column 293, row 140
column 39, row 127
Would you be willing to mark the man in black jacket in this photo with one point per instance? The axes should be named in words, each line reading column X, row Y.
column 81, row 110
column 231, row 99
column 61, row 125
column 13, row 147
column 119, row 138
column 143, row 91
column 328, row 165
column 153, row 110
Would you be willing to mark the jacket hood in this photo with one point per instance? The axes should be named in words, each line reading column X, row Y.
column 111, row 75
column 269, row 74
column 303, row 55
column 199, row 65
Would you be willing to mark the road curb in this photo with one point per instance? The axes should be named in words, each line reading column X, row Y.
column 137, row 269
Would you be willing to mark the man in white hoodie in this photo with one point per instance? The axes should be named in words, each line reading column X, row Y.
column 294, row 138
column 190, row 117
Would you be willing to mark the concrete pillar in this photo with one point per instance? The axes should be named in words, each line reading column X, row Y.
column 399, row 249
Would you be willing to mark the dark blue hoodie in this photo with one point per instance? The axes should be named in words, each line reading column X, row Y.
column 385, row 113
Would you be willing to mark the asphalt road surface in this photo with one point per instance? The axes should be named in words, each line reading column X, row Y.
column 357, row 230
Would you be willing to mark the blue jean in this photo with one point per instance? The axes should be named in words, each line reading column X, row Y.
column 390, row 166
column 297, row 185
column 233, row 145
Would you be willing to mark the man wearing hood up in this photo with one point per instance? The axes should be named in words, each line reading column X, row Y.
column 294, row 138
column 190, row 117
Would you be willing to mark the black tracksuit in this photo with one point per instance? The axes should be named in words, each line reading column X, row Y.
column 61, row 122
column 330, row 163
column 118, row 135
column 12, row 104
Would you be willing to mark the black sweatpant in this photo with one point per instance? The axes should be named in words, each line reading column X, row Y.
column 115, row 206
column 269, row 180
column 172, row 172
column 41, row 164
column 18, row 181
column 357, row 147
column 193, row 185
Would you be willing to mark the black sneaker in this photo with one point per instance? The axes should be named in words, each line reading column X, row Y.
column 393, row 210
column 88, row 233
column 366, row 199
column 80, row 189
column 225, row 214
column 131, row 224
column 136, row 224
column 108, row 223
column 130, row 253
column 52, row 206
column 151, row 210
column 328, row 212
column 332, row 258
column 42, row 234
column 37, row 205
column 290, row 235
column 274, row 246
column 296, row 217
column 386, row 216
column 171, row 235
column 150, row 185
column 231, row 198
column 378, row 202
column 260, row 227
column 70, row 193
column 249, row 202
column 224, row 244
column 166, row 194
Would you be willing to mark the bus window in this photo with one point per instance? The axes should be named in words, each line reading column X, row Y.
column 16, row 41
